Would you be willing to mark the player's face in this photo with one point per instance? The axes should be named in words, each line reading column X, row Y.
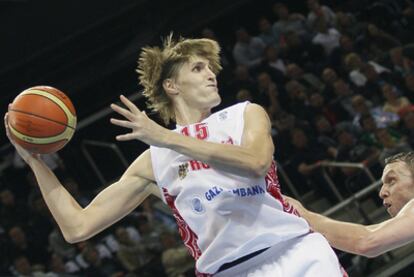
column 197, row 84
column 398, row 186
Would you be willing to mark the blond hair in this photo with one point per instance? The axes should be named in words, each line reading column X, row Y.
column 157, row 64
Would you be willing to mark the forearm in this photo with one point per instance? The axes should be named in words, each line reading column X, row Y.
column 62, row 205
column 231, row 158
column 348, row 237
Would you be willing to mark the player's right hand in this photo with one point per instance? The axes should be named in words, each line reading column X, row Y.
column 26, row 155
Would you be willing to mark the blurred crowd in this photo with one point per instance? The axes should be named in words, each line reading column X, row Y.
column 337, row 85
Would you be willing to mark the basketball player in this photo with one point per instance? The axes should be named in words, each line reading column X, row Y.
column 215, row 171
column 397, row 192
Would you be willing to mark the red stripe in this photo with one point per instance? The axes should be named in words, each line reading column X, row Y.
column 188, row 236
column 273, row 188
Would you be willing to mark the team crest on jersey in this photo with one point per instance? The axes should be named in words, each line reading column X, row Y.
column 223, row 115
column 182, row 170
column 197, row 205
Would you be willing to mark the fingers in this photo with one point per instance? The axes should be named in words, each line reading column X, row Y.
column 131, row 106
column 122, row 123
column 124, row 112
column 125, row 137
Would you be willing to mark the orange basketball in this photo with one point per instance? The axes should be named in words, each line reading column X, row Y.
column 42, row 119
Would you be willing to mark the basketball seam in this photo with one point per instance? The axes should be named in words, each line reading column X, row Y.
column 28, row 93
column 33, row 92
column 57, row 96
column 42, row 117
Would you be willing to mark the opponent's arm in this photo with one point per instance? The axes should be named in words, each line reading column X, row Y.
column 369, row 241
column 252, row 158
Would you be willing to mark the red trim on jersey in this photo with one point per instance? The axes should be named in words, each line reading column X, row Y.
column 188, row 236
column 273, row 188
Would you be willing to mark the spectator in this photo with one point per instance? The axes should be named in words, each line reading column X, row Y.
column 12, row 211
column 309, row 80
column 327, row 37
column 131, row 254
column 267, row 34
column 391, row 145
column 362, row 107
column 273, row 64
column 288, row 22
column 175, row 258
column 98, row 266
column 248, row 50
column 316, row 11
column 394, row 102
column 306, row 160
column 343, row 97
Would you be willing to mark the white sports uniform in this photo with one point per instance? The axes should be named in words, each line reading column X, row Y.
column 223, row 217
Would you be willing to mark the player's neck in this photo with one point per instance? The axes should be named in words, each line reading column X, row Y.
column 185, row 115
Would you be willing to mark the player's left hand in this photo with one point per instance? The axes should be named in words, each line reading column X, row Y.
column 296, row 204
column 143, row 128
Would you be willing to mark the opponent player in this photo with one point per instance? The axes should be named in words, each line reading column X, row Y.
column 215, row 171
column 397, row 193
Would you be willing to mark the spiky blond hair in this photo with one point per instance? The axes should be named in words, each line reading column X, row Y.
column 157, row 64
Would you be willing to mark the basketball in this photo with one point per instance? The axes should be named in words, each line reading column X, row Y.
column 42, row 119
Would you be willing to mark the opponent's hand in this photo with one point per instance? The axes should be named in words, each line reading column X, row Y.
column 297, row 205
column 143, row 128
column 26, row 155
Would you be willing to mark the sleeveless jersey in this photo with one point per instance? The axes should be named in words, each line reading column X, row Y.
column 223, row 216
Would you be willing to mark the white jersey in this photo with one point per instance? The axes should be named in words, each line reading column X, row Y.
column 222, row 216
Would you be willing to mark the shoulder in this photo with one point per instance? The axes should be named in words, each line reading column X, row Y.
column 252, row 108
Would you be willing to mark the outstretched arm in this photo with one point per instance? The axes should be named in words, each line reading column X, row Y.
column 371, row 240
column 252, row 158
column 110, row 205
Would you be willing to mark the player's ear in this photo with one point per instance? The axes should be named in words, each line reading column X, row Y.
column 170, row 86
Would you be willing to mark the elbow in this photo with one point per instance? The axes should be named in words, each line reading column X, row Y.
column 73, row 238
column 260, row 168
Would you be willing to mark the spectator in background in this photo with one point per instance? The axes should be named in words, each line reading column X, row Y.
column 343, row 98
column 346, row 23
column 306, row 160
column 267, row 34
column 329, row 76
column 131, row 254
column 288, row 22
column 98, row 266
column 354, row 64
column 397, row 60
column 352, row 150
column 21, row 245
column 298, row 100
column 309, row 80
column 391, row 145
column 408, row 127
column 242, row 80
column 409, row 86
column 175, row 258
column 267, row 92
column 362, row 107
column 273, row 64
column 394, row 101
column 12, row 211
column 378, row 42
column 316, row 11
column 244, row 95
column 248, row 50
column 327, row 37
